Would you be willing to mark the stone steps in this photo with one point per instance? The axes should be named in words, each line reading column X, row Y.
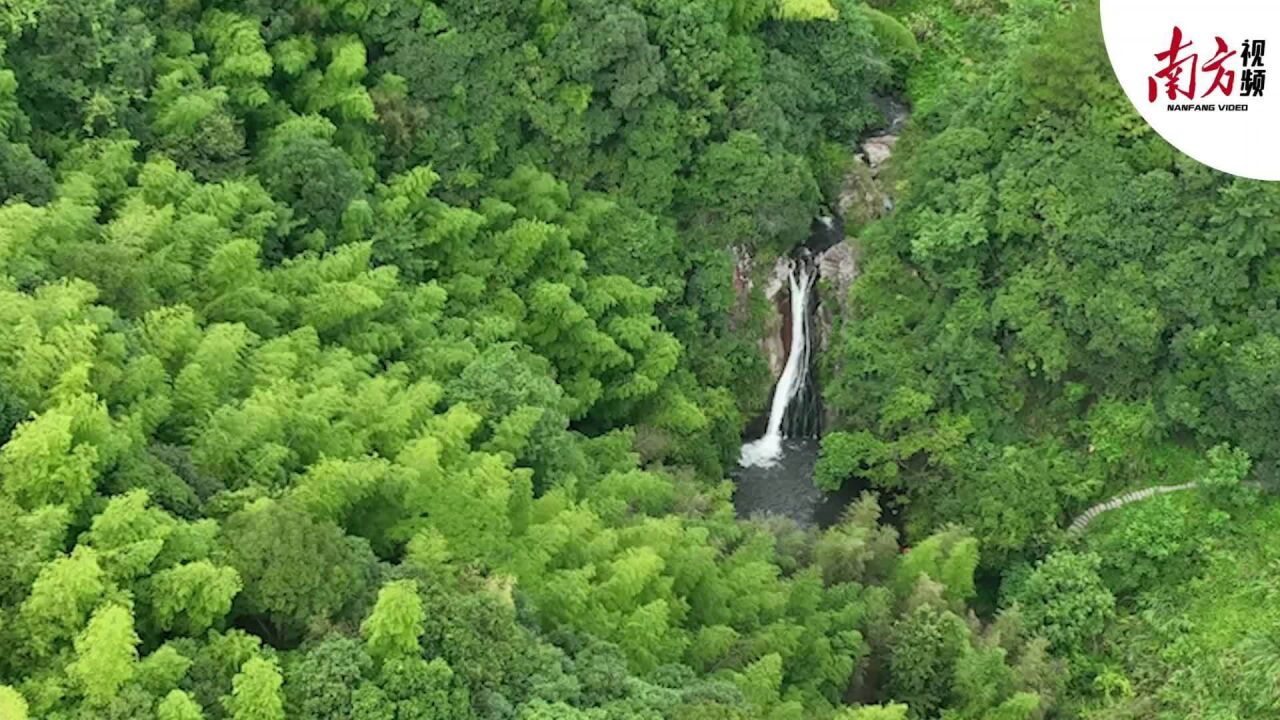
column 1080, row 523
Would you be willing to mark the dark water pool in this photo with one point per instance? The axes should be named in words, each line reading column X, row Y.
column 787, row 488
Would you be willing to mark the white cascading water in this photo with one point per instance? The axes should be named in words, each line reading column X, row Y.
column 766, row 451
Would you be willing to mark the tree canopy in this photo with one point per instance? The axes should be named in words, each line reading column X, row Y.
column 329, row 333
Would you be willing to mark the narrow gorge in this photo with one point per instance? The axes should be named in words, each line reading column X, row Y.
column 789, row 416
column 807, row 289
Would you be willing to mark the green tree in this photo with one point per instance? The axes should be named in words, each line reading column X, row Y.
column 925, row 646
column 58, row 455
column 294, row 569
column 893, row 711
column 1066, row 600
column 12, row 703
column 178, row 705
column 423, row 689
column 1228, row 466
column 240, row 58
column 106, row 654
column 394, row 627
column 303, row 169
column 26, row 178
column 192, row 597
column 859, row 549
column 62, row 596
column 322, row 684
column 255, row 693
column 949, row 557
column 747, row 193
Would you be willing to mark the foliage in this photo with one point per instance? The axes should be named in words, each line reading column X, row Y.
column 1062, row 310
column 1021, row 344
column 377, row 360
column 383, row 360
column 1066, row 599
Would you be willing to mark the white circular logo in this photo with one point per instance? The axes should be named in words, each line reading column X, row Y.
column 1198, row 72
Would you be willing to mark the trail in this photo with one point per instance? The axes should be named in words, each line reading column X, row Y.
column 1080, row 523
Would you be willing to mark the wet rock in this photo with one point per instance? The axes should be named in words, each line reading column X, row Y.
column 838, row 267
column 774, row 343
column 864, row 195
column 778, row 280
column 878, row 150
column 773, row 285
column 861, row 198
column 895, row 111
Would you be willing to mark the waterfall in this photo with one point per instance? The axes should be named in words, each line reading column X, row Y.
column 795, row 375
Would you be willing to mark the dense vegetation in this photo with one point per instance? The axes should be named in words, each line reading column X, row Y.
column 381, row 360
column 1063, row 308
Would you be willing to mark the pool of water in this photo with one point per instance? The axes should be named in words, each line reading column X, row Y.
column 786, row 488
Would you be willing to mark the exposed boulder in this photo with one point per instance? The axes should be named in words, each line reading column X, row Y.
column 878, row 150
column 838, row 268
column 861, row 199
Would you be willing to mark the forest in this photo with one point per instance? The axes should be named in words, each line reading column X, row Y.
column 390, row 360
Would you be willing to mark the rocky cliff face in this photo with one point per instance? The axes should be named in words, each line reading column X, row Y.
column 864, row 197
column 773, row 283
column 838, row 268
column 865, row 194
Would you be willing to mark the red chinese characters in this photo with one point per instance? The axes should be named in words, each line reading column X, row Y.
column 1179, row 74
